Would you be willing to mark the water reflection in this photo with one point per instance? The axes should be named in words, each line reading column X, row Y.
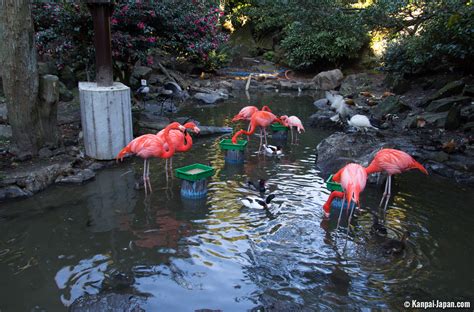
column 213, row 253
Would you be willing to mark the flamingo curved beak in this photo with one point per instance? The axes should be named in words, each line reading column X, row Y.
column 196, row 130
column 182, row 128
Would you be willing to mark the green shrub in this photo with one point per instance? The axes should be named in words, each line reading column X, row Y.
column 440, row 37
column 312, row 32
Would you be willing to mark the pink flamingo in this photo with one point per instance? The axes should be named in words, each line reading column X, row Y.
column 247, row 112
column 182, row 141
column 353, row 178
column 291, row 122
column 149, row 145
column 259, row 119
column 392, row 161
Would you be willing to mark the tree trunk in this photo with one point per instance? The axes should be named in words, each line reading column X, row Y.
column 20, row 80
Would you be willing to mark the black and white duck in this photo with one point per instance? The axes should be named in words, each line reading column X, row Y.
column 257, row 203
column 272, row 150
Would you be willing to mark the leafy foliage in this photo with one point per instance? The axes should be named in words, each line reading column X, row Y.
column 190, row 29
column 312, row 31
column 426, row 35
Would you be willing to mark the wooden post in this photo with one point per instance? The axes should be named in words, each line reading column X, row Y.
column 101, row 11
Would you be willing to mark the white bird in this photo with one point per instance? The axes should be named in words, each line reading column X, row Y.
column 336, row 100
column 257, row 203
column 361, row 122
column 272, row 150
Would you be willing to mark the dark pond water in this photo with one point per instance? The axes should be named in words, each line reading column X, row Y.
column 213, row 253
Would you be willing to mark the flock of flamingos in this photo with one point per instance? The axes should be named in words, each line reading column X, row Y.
column 352, row 177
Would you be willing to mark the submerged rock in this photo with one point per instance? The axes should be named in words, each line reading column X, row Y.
column 78, row 176
column 13, row 191
column 109, row 302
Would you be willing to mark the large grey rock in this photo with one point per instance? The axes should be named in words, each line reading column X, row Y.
column 322, row 104
column 210, row 98
column 445, row 104
column 390, row 105
column 13, row 191
column 354, row 83
column 340, row 149
column 328, row 80
column 78, row 176
column 450, row 89
column 321, row 119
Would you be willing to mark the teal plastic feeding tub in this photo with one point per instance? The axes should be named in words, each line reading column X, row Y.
column 333, row 186
column 234, row 153
column 194, row 172
column 278, row 127
column 194, row 184
column 227, row 145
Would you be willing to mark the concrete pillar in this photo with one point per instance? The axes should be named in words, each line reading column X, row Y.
column 106, row 116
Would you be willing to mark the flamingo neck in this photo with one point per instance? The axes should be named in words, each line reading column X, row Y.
column 187, row 143
column 372, row 168
column 168, row 153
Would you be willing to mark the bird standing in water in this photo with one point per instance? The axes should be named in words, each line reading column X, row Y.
column 353, row 179
column 150, row 145
column 261, row 119
column 247, row 112
column 293, row 122
column 392, row 162
column 182, row 141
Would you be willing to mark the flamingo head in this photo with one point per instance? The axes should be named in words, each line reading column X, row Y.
column 283, row 120
column 327, row 209
column 176, row 125
column 193, row 127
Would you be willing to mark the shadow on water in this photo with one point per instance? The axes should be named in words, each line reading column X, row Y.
column 213, row 253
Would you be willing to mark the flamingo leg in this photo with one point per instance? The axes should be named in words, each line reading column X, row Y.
column 384, row 193
column 350, row 218
column 144, row 176
column 148, row 176
column 340, row 211
column 388, row 193
column 260, row 146
column 248, row 129
column 171, row 167
column 265, row 135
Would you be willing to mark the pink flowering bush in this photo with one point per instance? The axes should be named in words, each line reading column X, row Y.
column 187, row 28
